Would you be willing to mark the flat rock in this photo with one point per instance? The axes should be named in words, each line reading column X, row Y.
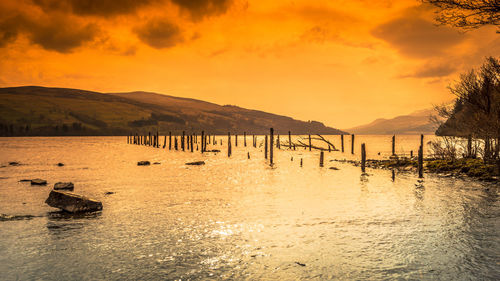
column 38, row 182
column 5, row 217
column 64, row 185
column 71, row 202
column 143, row 163
column 196, row 163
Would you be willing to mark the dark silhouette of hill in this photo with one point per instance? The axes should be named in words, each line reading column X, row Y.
column 33, row 110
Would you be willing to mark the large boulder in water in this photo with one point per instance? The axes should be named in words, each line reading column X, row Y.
column 71, row 202
column 64, row 185
column 38, row 182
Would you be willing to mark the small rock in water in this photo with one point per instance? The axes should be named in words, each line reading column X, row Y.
column 71, row 202
column 301, row 264
column 5, row 217
column 14, row 163
column 60, row 164
column 143, row 163
column 38, row 182
column 64, row 185
column 24, row 180
column 156, row 163
column 109, row 193
column 197, row 163
column 333, row 168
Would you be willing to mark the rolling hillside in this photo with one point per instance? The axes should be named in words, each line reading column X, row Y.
column 418, row 122
column 36, row 110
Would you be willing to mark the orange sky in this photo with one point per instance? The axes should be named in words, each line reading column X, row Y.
column 341, row 62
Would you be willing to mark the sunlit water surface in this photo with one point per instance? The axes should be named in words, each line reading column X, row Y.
column 238, row 218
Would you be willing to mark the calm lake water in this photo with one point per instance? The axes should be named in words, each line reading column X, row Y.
column 238, row 218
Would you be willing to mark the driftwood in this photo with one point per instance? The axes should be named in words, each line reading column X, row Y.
column 301, row 143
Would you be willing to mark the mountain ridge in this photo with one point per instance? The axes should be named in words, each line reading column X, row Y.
column 417, row 122
column 36, row 110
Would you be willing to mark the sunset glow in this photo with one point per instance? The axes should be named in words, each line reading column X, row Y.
column 344, row 63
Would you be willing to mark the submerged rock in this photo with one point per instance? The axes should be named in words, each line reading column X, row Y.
column 143, row 163
column 109, row 193
column 38, row 182
column 60, row 164
column 5, row 217
column 64, row 185
column 24, row 180
column 333, row 168
column 71, row 202
column 196, row 163
column 156, row 163
column 14, row 163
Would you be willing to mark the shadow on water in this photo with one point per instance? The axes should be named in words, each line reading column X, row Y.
column 61, row 221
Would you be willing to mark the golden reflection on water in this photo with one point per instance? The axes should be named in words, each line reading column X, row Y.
column 238, row 218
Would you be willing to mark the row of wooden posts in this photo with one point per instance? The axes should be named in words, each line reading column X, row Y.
column 187, row 142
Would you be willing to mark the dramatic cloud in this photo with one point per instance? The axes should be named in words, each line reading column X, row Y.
column 201, row 8
column 59, row 34
column 9, row 29
column 418, row 37
column 159, row 33
column 94, row 7
column 433, row 70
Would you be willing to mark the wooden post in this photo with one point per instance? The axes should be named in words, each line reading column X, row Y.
column 278, row 145
column 157, row 139
column 394, row 145
column 245, row 139
column 300, row 162
column 165, row 142
column 192, row 142
column 411, row 154
column 271, row 139
column 175, row 144
column 205, row 143
column 248, row 155
column 169, row 140
column 289, row 140
column 235, row 139
column 310, row 144
column 321, row 158
column 182, row 140
column 149, row 138
column 363, row 157
column 342, row 142
column 352, row 144
column 421, row 162
column 202, row 141
column 329, row 148
column 228, row 144
column 265, row 148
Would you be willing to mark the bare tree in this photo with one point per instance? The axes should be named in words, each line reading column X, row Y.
column 467, row 14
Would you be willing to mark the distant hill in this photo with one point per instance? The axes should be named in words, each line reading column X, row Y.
column 418, row 122
column 33, row 110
